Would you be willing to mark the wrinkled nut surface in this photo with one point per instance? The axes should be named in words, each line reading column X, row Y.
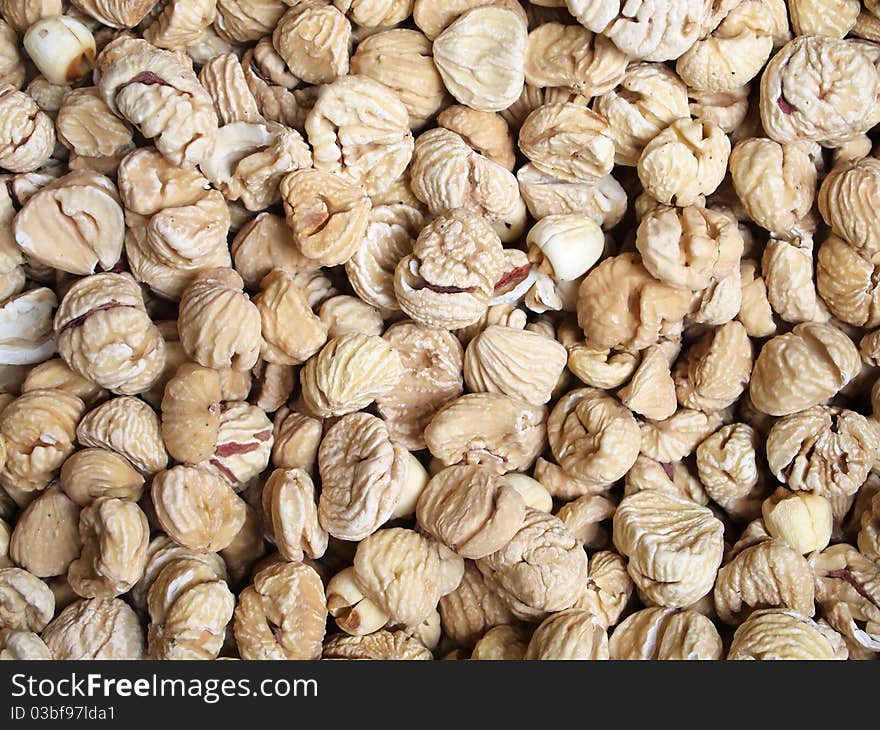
column 97, row 628
column 573, row 634
column 665, row 634
column 776, row 634
column 26, row 603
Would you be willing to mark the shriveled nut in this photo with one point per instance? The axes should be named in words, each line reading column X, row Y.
column 224, row 79
column 45, row 540
column 191, row 413
column 114, row 533
column 651, row 390
column 113, row 13
column 674, row 547
column 179, row 25
column 196, row 508
column 565, row 247
column 87, row 126
column 676, row 437
column 541, row 570
column 355, row 614
column 727, row 109
column 22, row 645
column 846, row 282
column 61, row 47
column 609, row 588
column 665, row 634
column 571, row 634
column 472, row 608
column 489, row 429
column 601, row 368
column 27, row 135
column 297, row 438
column 5, row 534
column 244, row 445
column 506, row 642
column 291, row 513
column 802, row 368
column 313, row 40
column 776, row 634
column 104, row 333
column 583, row 516
column 486, row 132
column 380, row 645
column 26, row 603
column 847, row 203
column 129, row 427
column 603, row 202
column 533, row 493
column 787, row 268
column 26, row 327
column 675, row 479
column 728, row 468
column 405, row 573
column 869, row 534
column 264, row 244
column 89, row 474
column 283, row 300
column 97, row 628
column 802, row 520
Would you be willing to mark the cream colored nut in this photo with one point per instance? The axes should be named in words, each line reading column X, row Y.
column 643, row 308
column 776, row 634
column 676, row 437
column 191, row 413
column 433, row 18
column 728, row 468
column 674, row 479
column 847, row 203
column 819, row 89
column 869, row 534
column 726, row 109
column 368, row 143
column 61, row 47
column 327, row 214
column 241, row 21
column 543, row 569
column 472, row 609
column 355, row 614
column 297, row 438
column 26, row 327
column 565, row 246
column 375, row 13
column 87, row 126
column 823, row 17
column 651, row 391
column 264, row 244
column 561, row 484
column 488, row 429
column 582, row 517
column 471, row 509
column 196, row 508
column 505, row 642
column 380, row 645
column 27, row 135
column 283, row 300
column 802, row 368
column 26, row 603
column 114, row 533
column 273, row 86
column 533, row 493
column 244, row 444
column 129, row 427
column 569, row 142
column 674, row 547
column 767, row 575
column 104, row 334
column 787, row 268
column 414, row 484
column 362, row 474
column 45, row 540
column 90, row 474
column 608, row 590
column 21, row 14
column 846, row 283
column 313, row 40
column 486, row 132
column 246, row 548
column 755, row 311
column 291, row 513
column 97, row 628
column 38, row 431
column 649, row 98
column 159, row 93
column 604, row 369
column 592, row 436
column 223, row 78
column 776, row 182
column 22, row 645
column 481, row 57
column 218, row 324
column 181, row 24
column 272, row 385
column 114, row 13
column 803, row 521
column 603, row 202
column 189, row 608
column 12, row 70
column 73, row 224
column 574, row 633
column 349, row 373
column 665, row 634
column 346, row 315
column 5, row 534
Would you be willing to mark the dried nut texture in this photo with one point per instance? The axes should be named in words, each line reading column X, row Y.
column 486, row 132
column 651, row 390
column 313, row 40
column 297, row 438
column 362, row 475
column 568, row 142
column 686, row 161
column 349, row 373
column 869, row 535
column 452, row 272
column 572, row 634
column 689, row 247
column 767, row 575
column 114, row 533
column 266, row 243
column 26, row 335
column 470, row 509
column 38, row 431
column 800, row 519
column 823, row 17
column 674, row 547
column 26, row 602
column 218, row 324
column 189, row 607
column 665, row 634
column 88, row 127
column 180, row 24
column 847, row 201
column 45, row 540
column 472, row 609
column 609, row 588
column 105, row 334
column 282, row 300
column 802, row 368
column 481, row 57
column 593, row 437
column 90, row 474
column 775, row 182
column 160, row 94
column 506, row 642
column 191, row 413
column 25, row 645
column 291, row 513
column 380, row 645
column 114, row 13
column 715, row 370
column 128, row 427
column 565, row 246
column 543, row 569
column 822, row 450
column 603, row 202
column 659, row 31
column 406, row 573
column 502, row 360
column 728, row 468
column 846, row 282
column 819, row 89
column 432, row 377
column 196, row 508
column 776, row 634
column 359, row 128
column 620, row 305
column 488, row 429
column 97, row 628
column 675, row 479
column 27, row 135
column 244, row 444
column 55, row 374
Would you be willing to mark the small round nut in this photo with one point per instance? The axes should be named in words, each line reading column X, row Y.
column 97, row 628
column 802, row 520
column 61, row 47
column 26, row 603
column 777, row 634
column 89, row 474
column 571, row 634
column 45, row 540
column 191, row 413
column 665, row 634
column 291, row 514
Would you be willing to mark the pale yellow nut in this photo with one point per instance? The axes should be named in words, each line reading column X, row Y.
column 565, row 246
column 533, row 493
column 413, row 486
column 355, row 614
column 801, row 519
column 61, row 47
